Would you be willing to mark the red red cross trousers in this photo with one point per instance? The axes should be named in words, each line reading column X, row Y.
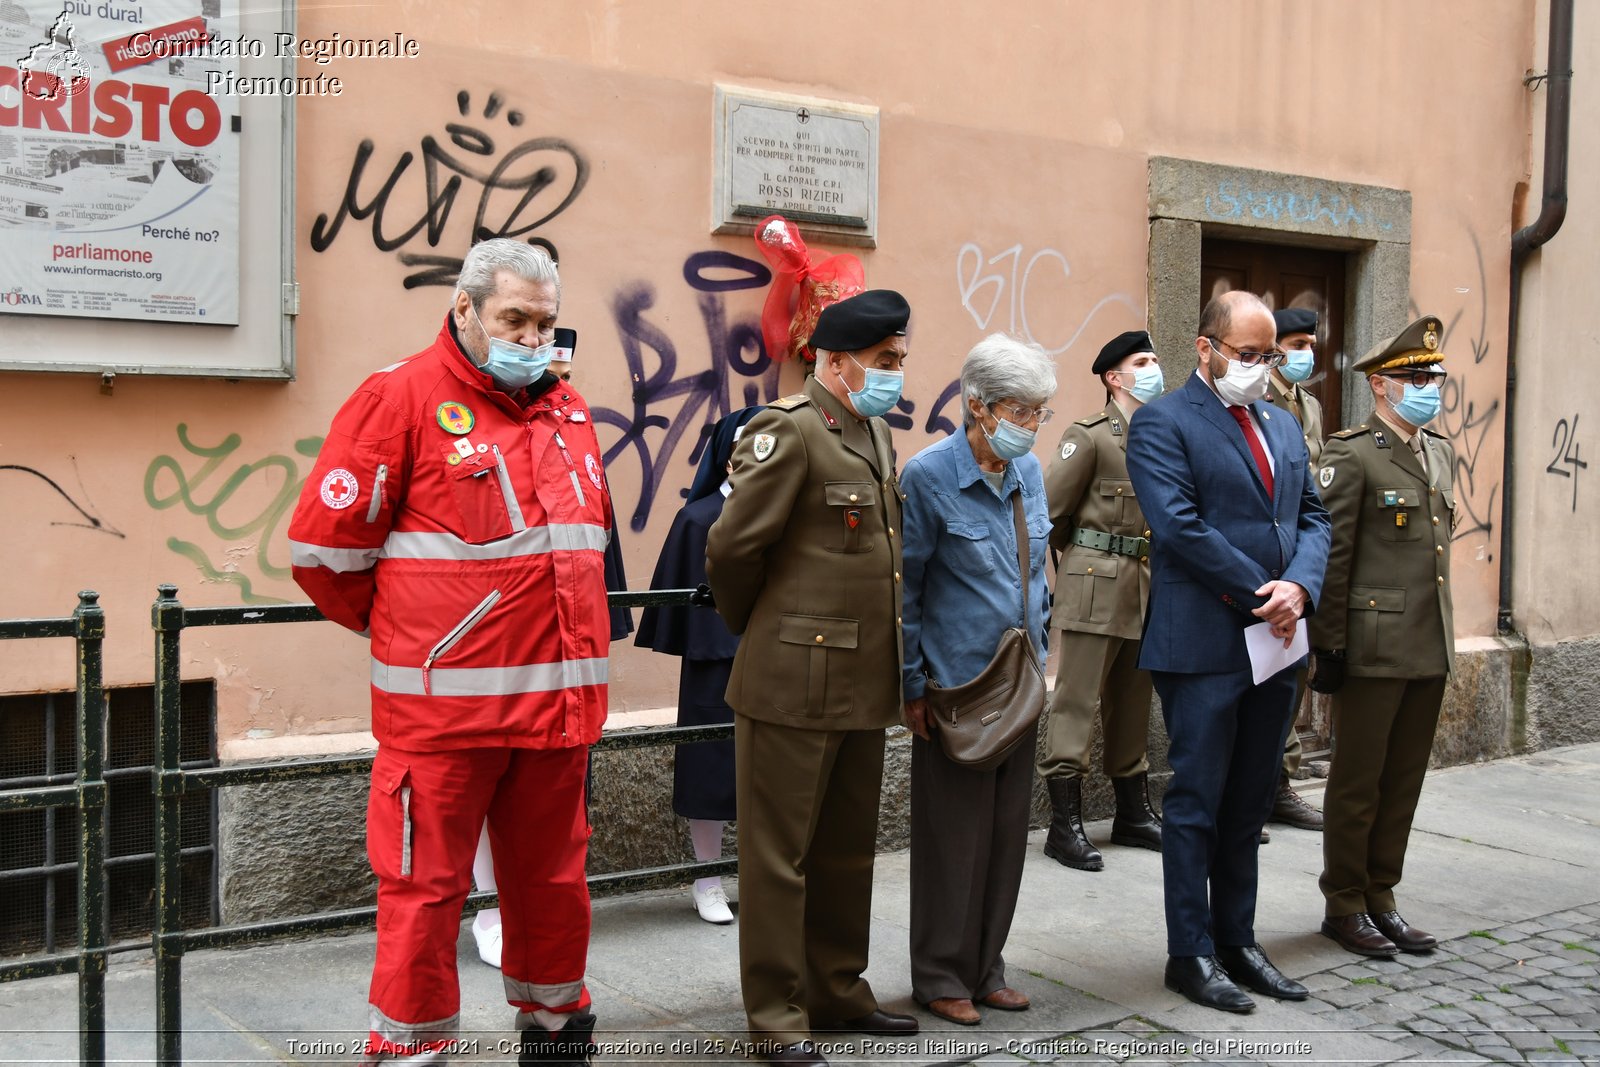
column 1253, row 439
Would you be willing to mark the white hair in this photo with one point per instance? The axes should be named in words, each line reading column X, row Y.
column 1001, row 366
column 486, row 259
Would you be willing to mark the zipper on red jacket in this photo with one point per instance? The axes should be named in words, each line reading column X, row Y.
column 377, row 493
column 572, row 468
column 451, row 639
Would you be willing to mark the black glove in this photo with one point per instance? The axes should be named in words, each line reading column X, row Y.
column 701, row 597
column 1327, row 671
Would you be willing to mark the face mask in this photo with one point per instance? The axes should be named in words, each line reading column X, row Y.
column 1009, row 440
column 1148, row 383
column 512, row 365
column 1418, row 406
column 1243, row 385
column 1298, row 367
column 878, row 393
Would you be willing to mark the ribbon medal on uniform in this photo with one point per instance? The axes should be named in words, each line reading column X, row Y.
column 1325, row 477
column 455, row 417
column 762, row 445
column 1068, row 449
column 339, row 489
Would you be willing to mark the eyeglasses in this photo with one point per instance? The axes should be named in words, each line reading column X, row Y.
column 1022, row 416
column 1418, row 378
column 1250, row 359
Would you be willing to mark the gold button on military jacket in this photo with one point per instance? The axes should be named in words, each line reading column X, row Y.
column 1306, row 409
column 804, row 563
column 1386, row 599
column 1097, row 591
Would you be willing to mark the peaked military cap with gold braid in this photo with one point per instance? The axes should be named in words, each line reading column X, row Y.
column 1415, row 346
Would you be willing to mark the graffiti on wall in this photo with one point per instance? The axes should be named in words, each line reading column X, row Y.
column 1568, row 453
column 83, row 518
column 1015, row 298
column 250, row 502
column 1470, row 410
column 519, row 186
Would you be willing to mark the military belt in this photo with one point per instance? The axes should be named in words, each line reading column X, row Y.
column 1137, row 547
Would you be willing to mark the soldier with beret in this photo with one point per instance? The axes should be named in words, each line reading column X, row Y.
column 1297, row 336
column 1102, row 584
column 1389, row 488
column 805, row 563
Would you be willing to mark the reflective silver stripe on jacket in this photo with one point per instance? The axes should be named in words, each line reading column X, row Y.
column 490, row 681
column 338, row 560
column 555, row 995
column 568, row 537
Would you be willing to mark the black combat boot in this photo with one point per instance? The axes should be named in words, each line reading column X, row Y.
column 572, row 1046
column 1066, row 842
column 1135, row 824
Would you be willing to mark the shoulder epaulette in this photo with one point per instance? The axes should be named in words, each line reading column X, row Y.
column 789, row 403
column 1091, row 420
column 1354, row 431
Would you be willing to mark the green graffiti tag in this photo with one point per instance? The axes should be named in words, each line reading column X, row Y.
column 263, row 523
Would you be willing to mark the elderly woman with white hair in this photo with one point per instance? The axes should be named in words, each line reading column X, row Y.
column 963, row 590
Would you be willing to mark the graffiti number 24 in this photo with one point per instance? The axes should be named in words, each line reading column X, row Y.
column 1565, row 442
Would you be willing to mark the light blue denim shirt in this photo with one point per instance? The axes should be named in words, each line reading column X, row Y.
column 962, row 586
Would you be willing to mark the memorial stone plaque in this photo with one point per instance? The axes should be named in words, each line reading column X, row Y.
column 812, row 161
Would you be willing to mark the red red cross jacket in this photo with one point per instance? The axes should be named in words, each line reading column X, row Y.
column 466, row 534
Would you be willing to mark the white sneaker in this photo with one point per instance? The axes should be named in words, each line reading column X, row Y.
column 712, row 904
column 488, row 938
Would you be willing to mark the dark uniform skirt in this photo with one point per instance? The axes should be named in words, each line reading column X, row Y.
column 702, row 773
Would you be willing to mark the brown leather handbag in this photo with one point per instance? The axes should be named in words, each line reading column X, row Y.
column 981, row 722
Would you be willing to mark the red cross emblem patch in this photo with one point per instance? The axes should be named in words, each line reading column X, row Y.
column 339, row 489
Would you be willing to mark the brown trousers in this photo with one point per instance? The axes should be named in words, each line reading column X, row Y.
column 1097, row 672
column 1383, row 735
column 808, row 830
column 969, row 837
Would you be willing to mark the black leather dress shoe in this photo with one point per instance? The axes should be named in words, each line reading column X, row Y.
column 1202, row 980
column 1248, row 966
column 799, row 1054
column 879, row 1022
column 1407, row 938
column 1356, row 933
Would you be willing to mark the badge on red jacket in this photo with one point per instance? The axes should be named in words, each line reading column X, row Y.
column 339, row 489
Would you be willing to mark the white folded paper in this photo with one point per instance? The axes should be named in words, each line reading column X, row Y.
column 1267, row 654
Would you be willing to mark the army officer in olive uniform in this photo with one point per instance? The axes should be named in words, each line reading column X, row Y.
column 1102, row 584
column 1388, row 488
column 1297, row 336
column 805, row 564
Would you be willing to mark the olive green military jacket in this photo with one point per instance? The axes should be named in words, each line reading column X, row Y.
column 1389, row 564
column 1087, row 485
column 804, row 563
column 1306, row 409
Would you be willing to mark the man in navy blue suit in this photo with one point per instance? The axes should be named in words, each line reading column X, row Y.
column 1238, row 537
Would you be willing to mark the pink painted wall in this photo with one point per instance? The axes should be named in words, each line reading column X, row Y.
column 1015, row 141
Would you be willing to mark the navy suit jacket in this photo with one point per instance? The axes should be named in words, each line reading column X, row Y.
column 1215, row 536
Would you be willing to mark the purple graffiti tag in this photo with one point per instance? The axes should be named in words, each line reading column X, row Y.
column 735, row 350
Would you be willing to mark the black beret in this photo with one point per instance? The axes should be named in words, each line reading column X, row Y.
column 861, row 321
column 1295, row 320
column 1120, row 348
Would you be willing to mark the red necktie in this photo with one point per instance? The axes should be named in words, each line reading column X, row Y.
column 1253, row 439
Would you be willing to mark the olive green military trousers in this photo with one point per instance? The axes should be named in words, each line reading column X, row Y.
column 1383, row 735
column 808, row 831
column 1101, row 672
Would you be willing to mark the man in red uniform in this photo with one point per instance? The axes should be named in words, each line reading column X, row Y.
column 457, row 514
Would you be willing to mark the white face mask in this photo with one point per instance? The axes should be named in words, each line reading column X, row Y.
column 1242, row 385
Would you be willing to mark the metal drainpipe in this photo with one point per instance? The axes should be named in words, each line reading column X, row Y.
column 1552, row 212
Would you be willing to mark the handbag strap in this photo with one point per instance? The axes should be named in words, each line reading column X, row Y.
column 1022, row 553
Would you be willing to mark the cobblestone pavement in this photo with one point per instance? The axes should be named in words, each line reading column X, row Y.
column 1524, row 993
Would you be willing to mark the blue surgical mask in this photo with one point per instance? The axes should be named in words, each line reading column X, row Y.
column 1009, row 440
column 511, row 365
column 1148, row 383
column 879, row 393
column 1418, row 405
column 1299, row 365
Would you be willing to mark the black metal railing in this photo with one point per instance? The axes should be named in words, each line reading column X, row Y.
column 170, row 781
